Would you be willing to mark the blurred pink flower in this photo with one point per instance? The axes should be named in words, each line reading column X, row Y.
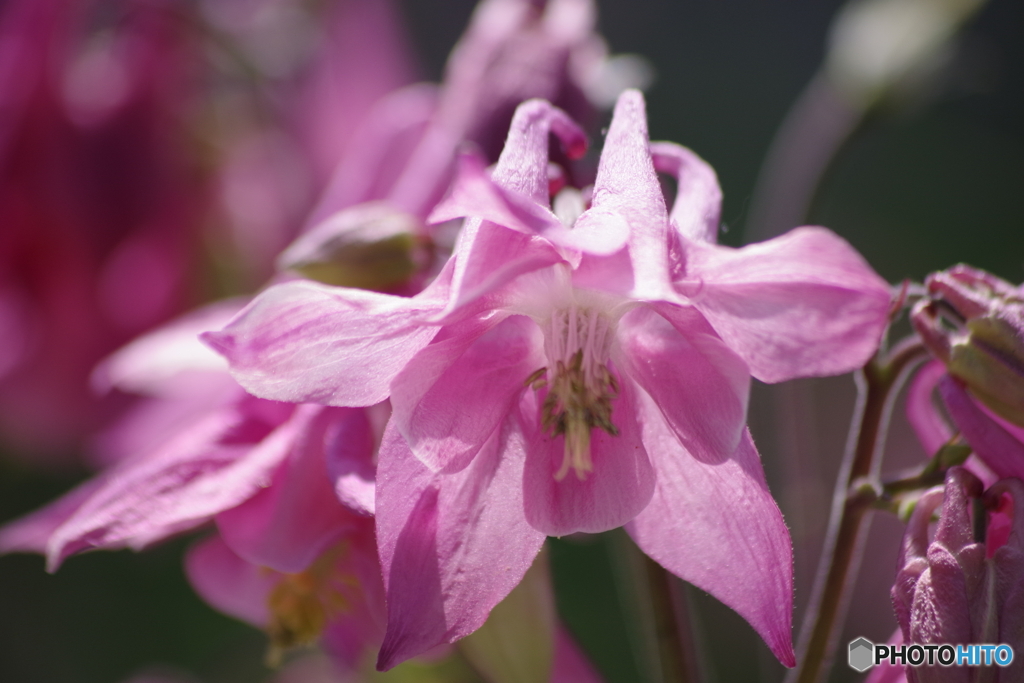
column 605, row 313
column 99, row 200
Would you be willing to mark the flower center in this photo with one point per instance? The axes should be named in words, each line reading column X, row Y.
column 580, row 386
column 301, row 604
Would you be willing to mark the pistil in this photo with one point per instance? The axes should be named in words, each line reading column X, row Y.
column 580, row 386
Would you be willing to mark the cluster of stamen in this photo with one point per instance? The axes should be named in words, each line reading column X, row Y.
column 301, row 604
column 580, row 386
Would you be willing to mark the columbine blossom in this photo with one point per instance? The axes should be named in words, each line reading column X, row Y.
column 572, row 375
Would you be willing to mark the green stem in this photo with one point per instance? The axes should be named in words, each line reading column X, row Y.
column 877, row 384
column 672, row 628
column 655, row 606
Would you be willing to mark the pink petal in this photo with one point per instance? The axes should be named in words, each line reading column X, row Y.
column 150, row 423
column 30, row 534
column 717, row 526
column 922, row 413
column 523, row 164
column 288, row 524
column 618, row 488
column 229, row 583
column 570, row 665
column 698, row 204
column 152, row 363
column 350, row 449
column 997, row 447
column 628, row 188
column 518, row 196
column 699, row 384
column 305, row 342
column 886, row 672
column 214, row 466
column 452, row 546
column 456, row 392
column 360, row 627
column 379, row 151
column 801, row 305
column 475, row 194
column 482, row 263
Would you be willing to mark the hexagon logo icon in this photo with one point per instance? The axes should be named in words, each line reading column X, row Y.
column 862, row 654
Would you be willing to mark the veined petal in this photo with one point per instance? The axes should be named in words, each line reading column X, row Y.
column 805, row 304
column 452, row 546
column 475, row 194
column 698, row 205
column 717, row 526
column 359, row 628
column 306, row 342
column 618, row 488
column 997, row 447
column 455, row 393
column 523, row 164
column 699, row 384
column 482, row 262
column 30, row 534
column 215, row 465
column 922, row 413
column 627, row 187
column 289, row 523
column 350, row 449
column 150, row 364
column 228, row 582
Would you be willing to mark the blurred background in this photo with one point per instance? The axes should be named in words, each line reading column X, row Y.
column 918, row 175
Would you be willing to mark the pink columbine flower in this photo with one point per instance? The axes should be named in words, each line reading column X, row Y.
column 99, row 203
column 954, row 589
column 572, row 371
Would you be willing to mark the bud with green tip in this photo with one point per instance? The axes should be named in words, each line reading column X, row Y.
column 974, row 323
column 368, row 246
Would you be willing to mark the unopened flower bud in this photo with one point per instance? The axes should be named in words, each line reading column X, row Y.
column 367, row 246
column 974, row 323
column 955, row 589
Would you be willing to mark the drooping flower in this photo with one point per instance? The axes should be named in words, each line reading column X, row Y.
column 578, row 376
column 955, row 588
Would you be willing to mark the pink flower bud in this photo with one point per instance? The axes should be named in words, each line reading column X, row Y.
column 956, row 590
column 974, row 323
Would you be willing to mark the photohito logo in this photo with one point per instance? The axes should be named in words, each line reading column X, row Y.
column 863, row 654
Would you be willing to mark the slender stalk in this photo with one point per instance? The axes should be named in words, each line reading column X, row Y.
column 877, row 383
column 672, row 628
column 661, row 635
